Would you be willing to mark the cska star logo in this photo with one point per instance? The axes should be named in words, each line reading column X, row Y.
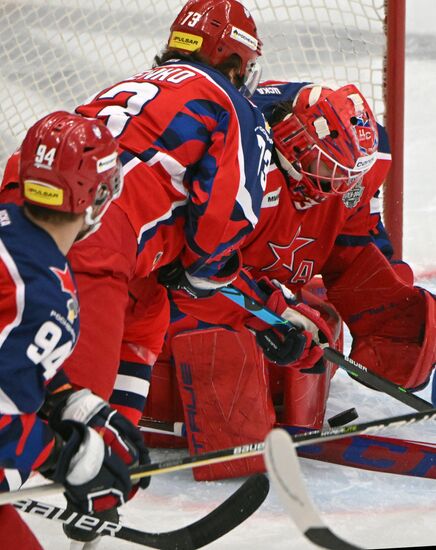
column 285, row 257
column 68, row 286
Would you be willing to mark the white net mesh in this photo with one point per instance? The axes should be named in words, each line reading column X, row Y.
column 56, row 53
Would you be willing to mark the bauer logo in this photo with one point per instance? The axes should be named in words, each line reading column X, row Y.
column 43, row 193
column 244, row 38
column 106, row 163
column 185, row 41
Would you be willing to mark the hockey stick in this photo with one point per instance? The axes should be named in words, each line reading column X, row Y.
column 311, row 437
column 228, row 515
column 406, row 457
column 353, row 368
column 285, row 474
column 234, row 453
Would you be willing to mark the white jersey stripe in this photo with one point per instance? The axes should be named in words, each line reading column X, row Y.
column 6, row 258
column 132, row 384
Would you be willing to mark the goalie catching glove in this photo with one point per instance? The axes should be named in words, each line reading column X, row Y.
column 298, row 346
column 393, row 324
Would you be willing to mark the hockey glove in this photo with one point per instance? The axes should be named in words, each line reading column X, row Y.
column 174, row 277
column 299, row 346
column 118, row 433
column 94, row 478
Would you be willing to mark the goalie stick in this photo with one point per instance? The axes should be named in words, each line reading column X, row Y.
column 228, row 515
column 284, row 472
column 233, row 453
column 353, row 368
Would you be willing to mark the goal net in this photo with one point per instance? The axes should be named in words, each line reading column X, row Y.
column 56, row 53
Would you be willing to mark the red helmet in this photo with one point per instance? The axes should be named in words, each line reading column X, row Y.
column 329, row 141
column 216, row 29
column 70, row 164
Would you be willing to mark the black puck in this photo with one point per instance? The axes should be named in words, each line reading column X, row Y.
column 343, row 418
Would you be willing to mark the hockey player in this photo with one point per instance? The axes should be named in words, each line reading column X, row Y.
column 318, row 217
column 195, row 153
column 69, row 173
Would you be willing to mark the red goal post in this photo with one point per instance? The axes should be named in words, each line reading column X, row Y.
column 56, row 53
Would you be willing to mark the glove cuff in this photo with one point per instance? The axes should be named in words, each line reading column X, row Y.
column 81, row 406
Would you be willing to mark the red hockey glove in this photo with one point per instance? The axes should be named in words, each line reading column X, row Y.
column 118, row 433
column 94, row 478
column 297, row 347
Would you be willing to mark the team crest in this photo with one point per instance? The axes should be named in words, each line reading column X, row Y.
column 68, row 286
column 353, row 196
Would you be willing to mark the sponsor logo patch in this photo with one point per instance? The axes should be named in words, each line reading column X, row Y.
column 244, row 38
column 106, row 163
column 43, row 193
column 186, row 41
column 271, row 199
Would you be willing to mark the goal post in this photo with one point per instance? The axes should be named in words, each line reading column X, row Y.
column 394, row 90
column 56, row 53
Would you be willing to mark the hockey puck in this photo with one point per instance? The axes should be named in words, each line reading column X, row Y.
column 343, row 417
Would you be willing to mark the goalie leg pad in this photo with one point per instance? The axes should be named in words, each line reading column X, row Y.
column 305, row 395
column 224, row 390
column 163, row 402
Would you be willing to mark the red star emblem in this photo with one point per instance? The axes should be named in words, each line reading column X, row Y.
column 66, row 280
column 283, row 252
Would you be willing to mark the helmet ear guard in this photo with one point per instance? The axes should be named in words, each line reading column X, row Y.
column 328, row 142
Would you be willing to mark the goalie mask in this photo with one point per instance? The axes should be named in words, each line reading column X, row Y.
column 327, row 144
column 70, row 164
column 218, row 29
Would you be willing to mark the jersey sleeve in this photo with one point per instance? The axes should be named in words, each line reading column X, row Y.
column 103, row 263
column 25, row 442
column 202, row 138
column 227, row 188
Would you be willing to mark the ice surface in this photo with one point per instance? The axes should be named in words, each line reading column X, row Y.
column 370, row 509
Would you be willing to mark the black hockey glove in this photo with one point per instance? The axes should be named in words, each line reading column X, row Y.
column 280, row 348
column 174, row 277
column 94, row 478
column 118, row 433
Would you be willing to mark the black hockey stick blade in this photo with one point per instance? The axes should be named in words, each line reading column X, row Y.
column 231, row 513
column 284, row 471
column 358, row 371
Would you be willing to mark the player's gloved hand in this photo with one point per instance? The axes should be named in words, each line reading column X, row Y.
column 118, row 433
column 174, row 277
column 298, row 347
column 94, row 478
